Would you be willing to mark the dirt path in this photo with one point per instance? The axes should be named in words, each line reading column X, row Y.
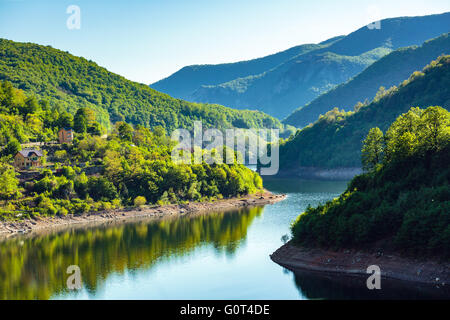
column 45, row 223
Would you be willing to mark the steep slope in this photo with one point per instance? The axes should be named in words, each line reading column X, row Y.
column 72, row 82
column 387, row 72
column 287, row 86
column 335, row 140
column 400, row 205
column 295, row 82
column 184, row 82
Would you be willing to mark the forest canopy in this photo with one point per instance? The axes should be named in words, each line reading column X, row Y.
column 67, row 82
column 403, row 199
column 335, row 140
column 131, row 166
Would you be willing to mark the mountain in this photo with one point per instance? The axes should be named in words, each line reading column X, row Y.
column 185, row 81
column 387, row 72
column 285, row 85
column 402, row 204
column 71, row 82
column 335, row 140
column 299, row 80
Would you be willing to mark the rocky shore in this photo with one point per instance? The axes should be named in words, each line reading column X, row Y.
column 350, row 262
column 10, row 228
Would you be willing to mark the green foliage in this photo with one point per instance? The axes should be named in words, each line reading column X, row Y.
column 140, row 201
column 9, row 184
column 100, row 188
column 131, row 167
column 403, row 202
column 387, row 72
column 12, row 148
column 295, row 82
column 335, row 140
column 372, row 151
column 69, row 83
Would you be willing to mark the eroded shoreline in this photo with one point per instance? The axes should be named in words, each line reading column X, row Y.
column 10, row 228
column 355, row 263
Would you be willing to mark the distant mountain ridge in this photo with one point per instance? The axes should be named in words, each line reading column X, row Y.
column 307, row 71
column 188, row 79
column 387, row 72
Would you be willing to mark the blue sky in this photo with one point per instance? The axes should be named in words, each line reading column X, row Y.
column 149, row 40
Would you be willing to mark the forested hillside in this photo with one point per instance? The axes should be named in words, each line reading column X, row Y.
column 185, row 81
column 335, row 140
column 131, row 167
column 386, row 72
column 402, row 202
column 296, row 81
column 68, row 83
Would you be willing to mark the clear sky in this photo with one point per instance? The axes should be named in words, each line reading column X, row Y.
column 149, row 40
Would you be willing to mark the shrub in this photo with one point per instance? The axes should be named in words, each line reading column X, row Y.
column 140, row 201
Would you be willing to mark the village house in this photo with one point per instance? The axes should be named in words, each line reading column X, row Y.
column 65, row 135
column 28, row 158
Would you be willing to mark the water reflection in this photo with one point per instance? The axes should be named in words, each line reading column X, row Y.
column 34, row 267
column 316, row 286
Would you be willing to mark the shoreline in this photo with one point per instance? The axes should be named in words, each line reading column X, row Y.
column 355, row 263
column 28, row 226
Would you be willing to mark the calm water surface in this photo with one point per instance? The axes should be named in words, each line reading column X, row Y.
column 214, row 256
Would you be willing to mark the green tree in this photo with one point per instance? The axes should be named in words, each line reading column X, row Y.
column 372, row 151
column 9, row 184
column 65, row 120
column 80, row 123
column 434, row 128
column 125, row 131
column 101, row 189
column 140, row 201
column 12, row 148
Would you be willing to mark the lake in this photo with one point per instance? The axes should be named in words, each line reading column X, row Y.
column 209, row 256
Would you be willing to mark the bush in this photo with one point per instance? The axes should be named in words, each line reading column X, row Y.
column 140, row 201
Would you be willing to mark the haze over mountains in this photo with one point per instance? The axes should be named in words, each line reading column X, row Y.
column 280, row 83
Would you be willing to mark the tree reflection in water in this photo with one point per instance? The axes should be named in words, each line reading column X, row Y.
column 35, row 267
column 315, row 286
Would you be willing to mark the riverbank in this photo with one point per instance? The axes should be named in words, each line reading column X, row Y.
column 10, row 228
column 355, row 263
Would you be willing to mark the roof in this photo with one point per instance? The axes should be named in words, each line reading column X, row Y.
column 66, row 129
column 28, row 152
